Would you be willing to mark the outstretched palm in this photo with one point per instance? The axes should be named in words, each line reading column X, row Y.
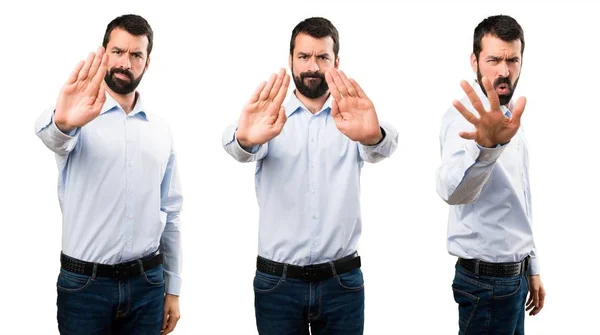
column 82, row 96
column 352, row 111
column 492, row 127
column 263, row 116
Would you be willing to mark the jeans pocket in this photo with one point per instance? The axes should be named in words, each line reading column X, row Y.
column 155, row 276
column 352, row 281
column 468, row 293
column 72, row 282
column 467, row 305
column 265, row 283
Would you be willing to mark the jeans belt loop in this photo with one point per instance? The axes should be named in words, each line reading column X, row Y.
column 284, row 274
column 94, row 271
column 333, row 269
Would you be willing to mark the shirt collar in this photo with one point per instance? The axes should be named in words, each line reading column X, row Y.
column 486, row 103
column 111, row 104
column 294, row 104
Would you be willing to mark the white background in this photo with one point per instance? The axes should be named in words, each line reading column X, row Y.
column 409, row 59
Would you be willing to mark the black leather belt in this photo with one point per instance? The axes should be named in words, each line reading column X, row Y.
column 119, row 271
column 494, row 269
column 314, row 272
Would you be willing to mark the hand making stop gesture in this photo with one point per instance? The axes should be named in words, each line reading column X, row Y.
column 352, row 111
column 492, row 127
column 263, row 116
column 82, row 96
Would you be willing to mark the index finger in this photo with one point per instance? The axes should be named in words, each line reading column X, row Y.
column 278, row 82
column 347, row 84
column 278, row 100
column 332, row 87
column 99, row 77
column 491, row 94
column 472, row 95
column 96, row 64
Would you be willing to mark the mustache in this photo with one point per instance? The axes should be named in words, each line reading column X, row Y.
column 502, row 80
column 316, row 74
column 116, row 70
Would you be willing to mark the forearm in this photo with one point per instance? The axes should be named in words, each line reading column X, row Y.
column 172, row 253
column 463, row 173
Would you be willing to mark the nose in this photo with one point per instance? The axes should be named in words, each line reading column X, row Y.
column 313, row 66
column 124, row 62
column 503, row 70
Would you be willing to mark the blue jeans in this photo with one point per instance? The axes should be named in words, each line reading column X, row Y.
column 287, row 306
column 98, row 305
column 490, row 305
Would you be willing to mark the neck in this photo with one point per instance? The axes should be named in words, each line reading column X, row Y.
column 126, row 101
column 313, row 105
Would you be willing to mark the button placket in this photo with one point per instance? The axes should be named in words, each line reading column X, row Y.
column 313, row 186
column 130, row 215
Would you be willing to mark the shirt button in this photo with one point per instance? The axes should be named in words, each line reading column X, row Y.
column 129, row 164
column 312, row 139
column 129, row 216
column 129, row 140
column 486, row 156
column 312, row 165
column 128, row 190
column 315, row 243
column 313, row 190
column 128, row 243
column 315, row 216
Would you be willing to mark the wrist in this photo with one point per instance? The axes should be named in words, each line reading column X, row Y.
column 63, row 127
column 486, row 144
column 375, row 140
column 244, row 143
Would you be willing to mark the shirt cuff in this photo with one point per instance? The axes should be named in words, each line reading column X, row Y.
column 60, row 135
column 485, row 155
column 385, row 140
column 534, row 266
column 230, row 141
column 253, row 149
column 172, row 283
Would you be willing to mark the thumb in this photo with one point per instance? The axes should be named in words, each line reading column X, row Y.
column 165, row 318
column 281, row 118
column 100, row 98
column 519, row 109
column 536, row 298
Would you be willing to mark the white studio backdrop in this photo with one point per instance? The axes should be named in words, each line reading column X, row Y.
column 409, row 58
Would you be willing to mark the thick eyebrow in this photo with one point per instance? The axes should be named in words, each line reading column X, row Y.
column 498, row 58
column 304, row 54
column 325, row 54
column 137, row 53
column 495, row 58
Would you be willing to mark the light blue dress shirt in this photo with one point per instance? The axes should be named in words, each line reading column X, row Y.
column 490, row 217
column 118, row 187
column 308, row 185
